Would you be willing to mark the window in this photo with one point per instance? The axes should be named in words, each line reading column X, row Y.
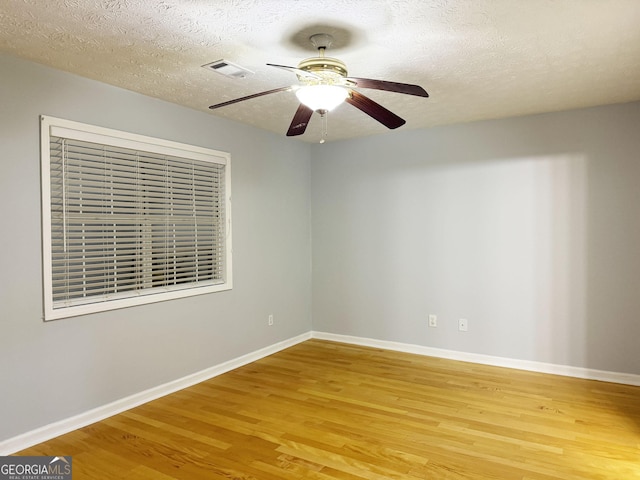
column 129, row 219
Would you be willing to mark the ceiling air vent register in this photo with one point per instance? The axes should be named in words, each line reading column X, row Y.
column 228, row 69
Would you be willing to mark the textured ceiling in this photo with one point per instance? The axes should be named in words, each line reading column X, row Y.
column 478, row 59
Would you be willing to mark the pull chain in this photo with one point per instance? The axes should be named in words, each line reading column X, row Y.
column 323, row 117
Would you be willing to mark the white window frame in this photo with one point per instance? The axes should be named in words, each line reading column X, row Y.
column 56, row 127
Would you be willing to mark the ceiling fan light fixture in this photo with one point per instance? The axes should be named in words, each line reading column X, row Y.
column 322, row 97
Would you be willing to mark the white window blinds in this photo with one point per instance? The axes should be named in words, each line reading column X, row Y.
column 132, row 221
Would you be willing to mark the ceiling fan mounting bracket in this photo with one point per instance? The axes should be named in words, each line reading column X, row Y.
column 321, row 40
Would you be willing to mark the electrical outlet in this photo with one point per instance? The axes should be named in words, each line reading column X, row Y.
column 463, row 326
column 270, row 319
column 433, row 321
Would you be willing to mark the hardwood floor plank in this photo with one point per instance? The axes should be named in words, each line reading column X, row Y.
column 328, row 411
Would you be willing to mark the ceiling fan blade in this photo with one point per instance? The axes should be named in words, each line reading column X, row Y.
column 300, row 121
column 249, row 97
column 296, row 70
column 375, row 110
column 406, row 88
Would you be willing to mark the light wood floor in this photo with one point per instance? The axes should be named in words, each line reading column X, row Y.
column 323, row 411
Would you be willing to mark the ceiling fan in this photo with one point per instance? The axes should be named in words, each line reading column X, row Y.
column 324, row 85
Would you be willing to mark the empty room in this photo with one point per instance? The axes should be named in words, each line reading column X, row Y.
column 320, row 240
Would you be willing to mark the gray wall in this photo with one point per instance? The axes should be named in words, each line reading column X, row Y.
column 528, row 227
column 50, row 371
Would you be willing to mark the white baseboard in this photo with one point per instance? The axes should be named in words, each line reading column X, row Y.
column 565, row 370
column 42, row 434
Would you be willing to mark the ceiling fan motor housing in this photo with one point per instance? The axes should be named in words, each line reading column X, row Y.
column 326, row 67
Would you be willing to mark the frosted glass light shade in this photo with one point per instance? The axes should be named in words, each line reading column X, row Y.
column 322, row 97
